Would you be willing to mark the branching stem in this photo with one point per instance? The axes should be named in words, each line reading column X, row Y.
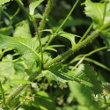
column 59, row 28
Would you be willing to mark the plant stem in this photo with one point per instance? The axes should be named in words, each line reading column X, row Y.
column 54, row 35
column 88, row 54
column 68, row 53
column 59, row 58
column 40, row 43
column 36, row 28
column 45, row 16
column 17, row 91
column 23, row 8
column 67, row 16
column 3, row 95
column 85, row 34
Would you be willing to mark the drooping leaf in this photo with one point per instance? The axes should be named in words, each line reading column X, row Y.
column 4, row 1
column 6, row 30
column 83, row 95
column 22, row 30
column 86, row 74
column 52, row 47
column 33, row 5
column 21, row 45
column 69, row 36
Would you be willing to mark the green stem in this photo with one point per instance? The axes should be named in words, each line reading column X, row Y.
column 54, row 35
column 35, row 26
column 85, row 34
column 5, row 13
column 23, row 8
column 88, row 54
column 17, row 91
column 94, row 51
column 15, row 13
column 40, row 43
column 68, row 53
column 59, row 58
column 45, row 16
column 67, row 16
column 2, row 91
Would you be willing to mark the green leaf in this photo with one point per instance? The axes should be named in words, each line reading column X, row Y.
column 54, row 76
column 100, row 14
column 4, row 1
column 83, row 95
column 22, row 46
column 52, row 47
column 22, row 30
column 6, row 67
column 95, row 10
column 76, row 108
column 86, row 74
column 6, row 30
column 69, row 36
column 33, row 5
column 43, row 101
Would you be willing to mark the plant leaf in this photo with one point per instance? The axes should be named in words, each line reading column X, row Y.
column 95, row 10
column 69, row 36
column 83, row 95
column 6, row 30
column 21, row 45
column 6, row 67
column 87, row 75
column 4, row 1
column 22, row 30
column 52, row 47
column 33, row 5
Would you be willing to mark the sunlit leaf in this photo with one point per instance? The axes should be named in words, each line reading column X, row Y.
column 4, row 1
column 100, row 14
column 22, row 46
column 22, row 30
column 33, row 5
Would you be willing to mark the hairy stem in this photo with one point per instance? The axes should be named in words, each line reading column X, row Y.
column 45, row 16
column 57, row 59
column 40, row 43
column 68, row 53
